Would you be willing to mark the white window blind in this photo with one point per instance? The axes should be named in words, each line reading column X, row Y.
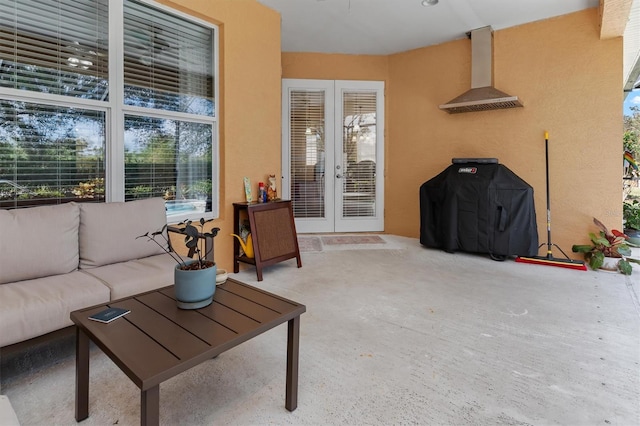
column 168, row 67
column 168, row 61
column 359, row 145
column 307, row 136
column 50, row 154
column 55, row 46
column 163, row 133
column 170, row 159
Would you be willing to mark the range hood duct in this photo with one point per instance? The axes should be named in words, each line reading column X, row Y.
column 482, row 96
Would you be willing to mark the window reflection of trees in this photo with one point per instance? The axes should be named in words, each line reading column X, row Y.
column 52, row 153
column 49, row 154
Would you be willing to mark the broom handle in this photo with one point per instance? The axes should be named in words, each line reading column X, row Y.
column 546, row 162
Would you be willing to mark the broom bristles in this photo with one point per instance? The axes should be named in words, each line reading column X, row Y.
column 562, row 263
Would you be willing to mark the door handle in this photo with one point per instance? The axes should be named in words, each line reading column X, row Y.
column 339, row 176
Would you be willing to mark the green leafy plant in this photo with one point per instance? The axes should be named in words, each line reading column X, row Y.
column 192, row 239
column 607, row 244
column 169, row 193
column 90, row 189
column 201, row 188
column 41, row 191
column 631, row 214
column 141, row 191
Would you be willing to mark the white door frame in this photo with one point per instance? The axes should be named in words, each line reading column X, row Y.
column 360, row 223
column 333, row 220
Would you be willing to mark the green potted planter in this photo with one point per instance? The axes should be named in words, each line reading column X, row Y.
column 631, row 219
column 607, row 244
column 194, row 279
column 634, row 236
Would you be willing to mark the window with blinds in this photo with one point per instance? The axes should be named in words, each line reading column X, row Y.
column 168, row 61
column 52, row 152
column 64, row 128
column 359, row 154
column 168, row 67
column 170, row 159
column 307, row 138
column 40, row 165
column 58, row 47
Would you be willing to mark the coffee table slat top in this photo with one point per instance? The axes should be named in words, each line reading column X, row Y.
column 129, row 343
column 156, row 340
column 206, row 331
column 277, row 303
column 166, row 333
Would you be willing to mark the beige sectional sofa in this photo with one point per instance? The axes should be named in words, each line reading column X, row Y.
column 56, row 259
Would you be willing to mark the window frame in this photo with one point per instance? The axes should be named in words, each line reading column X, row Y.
column 115, row 108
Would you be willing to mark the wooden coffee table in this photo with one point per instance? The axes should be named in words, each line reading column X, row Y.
column 157, row 341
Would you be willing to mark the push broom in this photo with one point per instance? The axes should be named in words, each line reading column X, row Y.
column 549, row 259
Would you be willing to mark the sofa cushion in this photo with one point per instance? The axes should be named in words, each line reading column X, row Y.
column 38, row 241
column 135, row 276
column 108, row 231
column 34, row 307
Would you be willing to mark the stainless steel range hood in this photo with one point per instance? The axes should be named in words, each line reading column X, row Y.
column 482, row 96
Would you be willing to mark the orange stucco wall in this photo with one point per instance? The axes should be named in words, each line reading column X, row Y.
column 569, row 82
column 335, row 67
column 249, row 97
column 568, row 79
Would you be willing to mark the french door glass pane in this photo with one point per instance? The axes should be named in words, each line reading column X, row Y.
column 307, row 139
column 359, row 154
column 168, row 61
column 170, row 159
column 50, row 154
column 55, row 46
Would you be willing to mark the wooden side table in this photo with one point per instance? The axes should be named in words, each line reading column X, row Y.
column 273, row 231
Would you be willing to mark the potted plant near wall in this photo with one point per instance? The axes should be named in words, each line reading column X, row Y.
column 609, row 250
column 195, row 279
column 631, row 218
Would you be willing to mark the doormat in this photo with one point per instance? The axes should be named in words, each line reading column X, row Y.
column 308, row 244
column 352, row 239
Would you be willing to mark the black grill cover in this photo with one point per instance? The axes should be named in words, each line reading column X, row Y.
column 479, row 208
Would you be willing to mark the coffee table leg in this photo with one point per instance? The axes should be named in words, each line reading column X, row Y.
column 82, row 375
column 150, row 406
column 293, row 346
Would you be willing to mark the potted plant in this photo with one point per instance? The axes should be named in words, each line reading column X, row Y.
column 631, row 219
column 195, row 279
column 607, row 245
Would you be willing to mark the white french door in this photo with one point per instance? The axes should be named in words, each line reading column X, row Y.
column 333, row 154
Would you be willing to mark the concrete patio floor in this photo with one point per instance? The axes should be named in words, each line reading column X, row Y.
column 394, row 333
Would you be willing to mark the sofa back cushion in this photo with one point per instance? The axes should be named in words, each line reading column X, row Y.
column 108, row 231
column 38, row 241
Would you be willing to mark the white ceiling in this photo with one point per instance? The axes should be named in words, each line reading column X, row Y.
column 381, row 27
